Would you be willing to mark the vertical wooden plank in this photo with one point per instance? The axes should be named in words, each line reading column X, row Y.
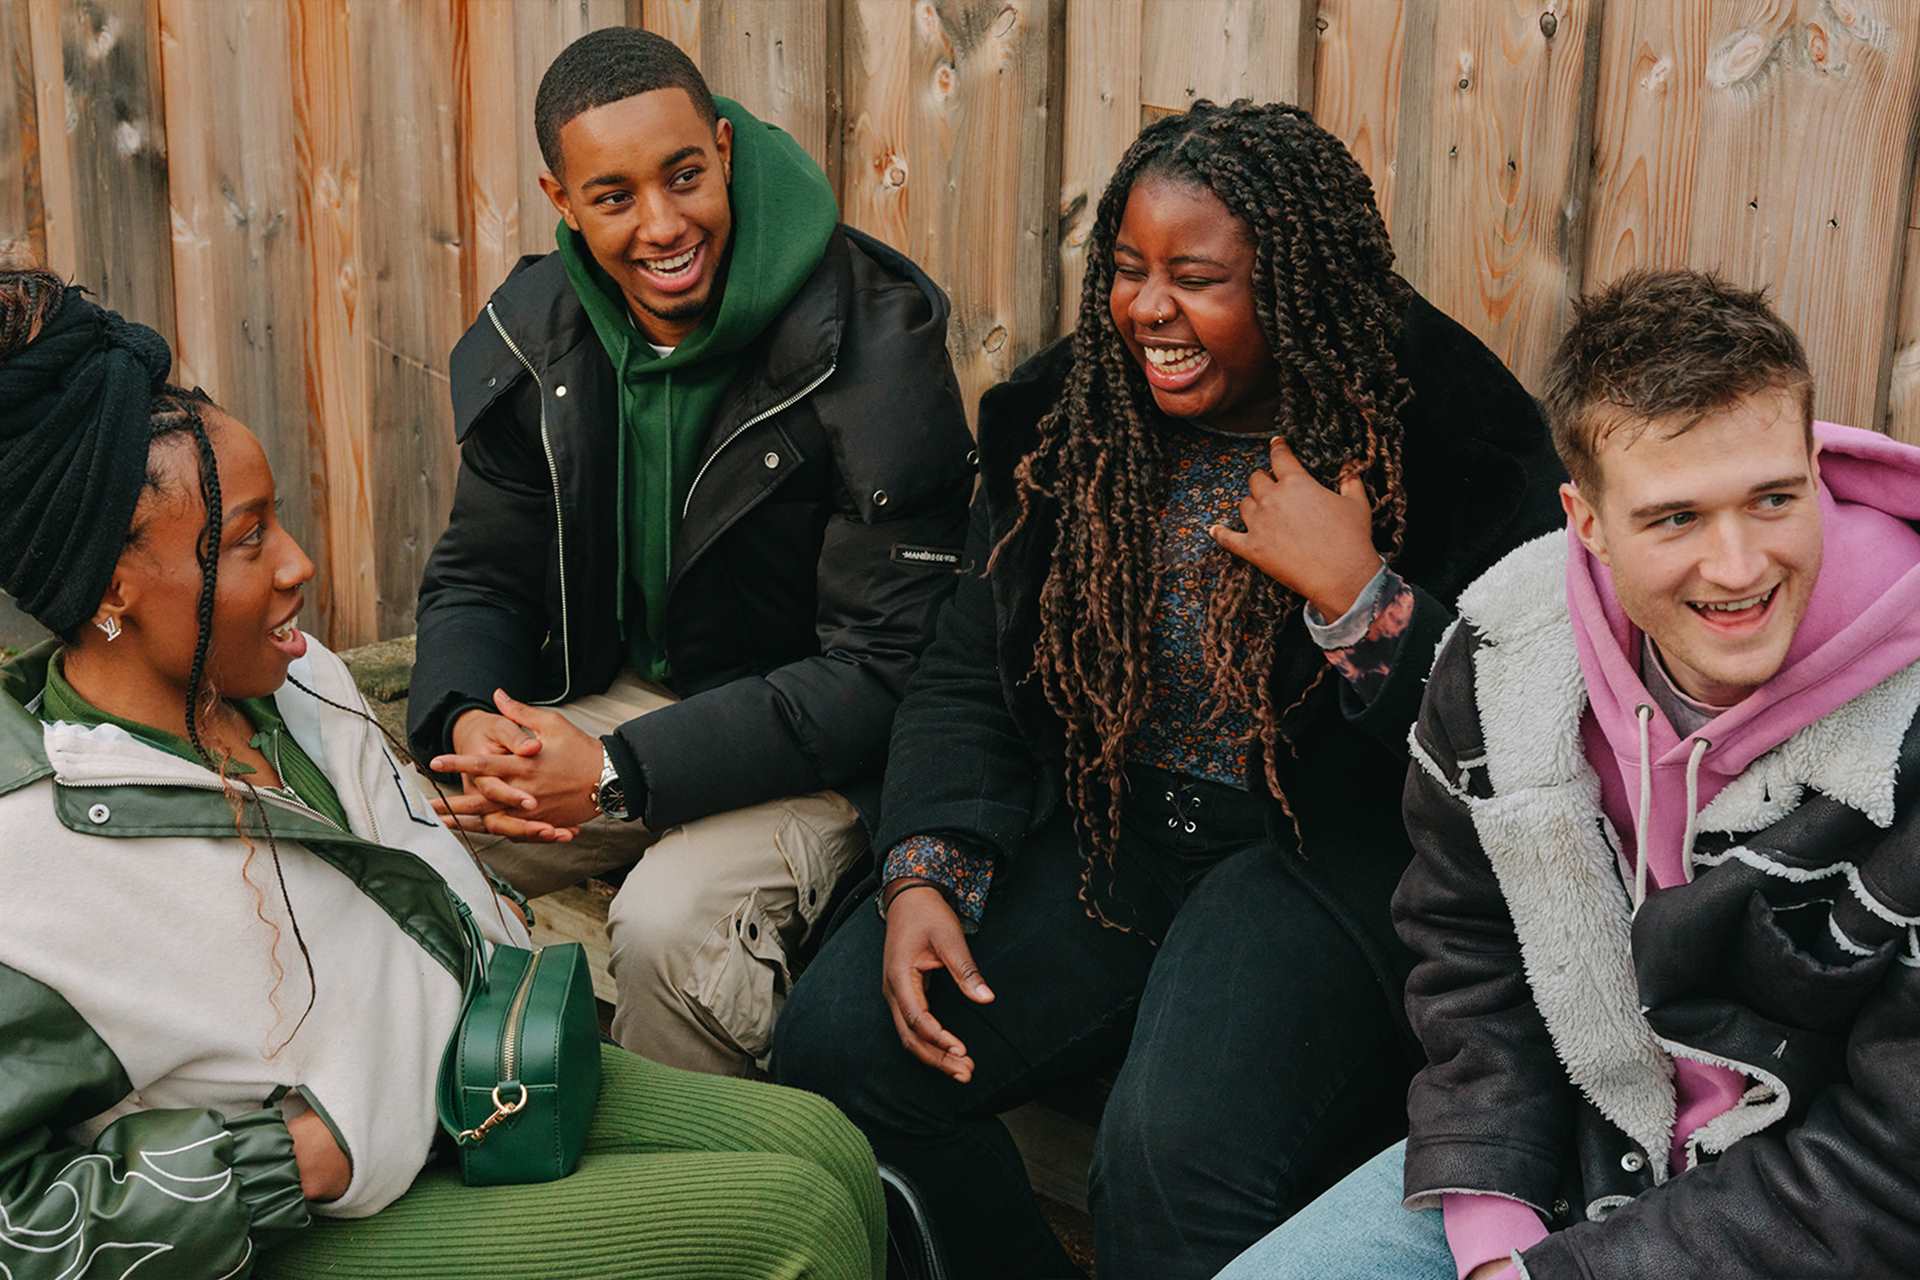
column 880, row 121
column 1495, row 110
column 1805, row 174
column 23, row 231
column 1646, row 136
column 1226, row 49
column 327, row 211
column 1903, row 390
column 1100, row 117
column 677, row 20
column 510, row 44
column 62, row 252
column 780, row 59
column 98, row 67
column 407, row 67
column 1356, row 84
column 960, row 151
column 239, row 264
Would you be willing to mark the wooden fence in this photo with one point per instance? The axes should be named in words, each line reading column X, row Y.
column 313, row 197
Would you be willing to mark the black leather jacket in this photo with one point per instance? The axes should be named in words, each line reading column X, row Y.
column 1548, row 1010
column 816, row 543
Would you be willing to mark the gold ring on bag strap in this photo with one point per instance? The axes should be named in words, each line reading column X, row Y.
column 501, row 1110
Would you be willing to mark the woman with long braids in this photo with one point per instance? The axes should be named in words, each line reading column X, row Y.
column 1143, row 796
column 231, row 960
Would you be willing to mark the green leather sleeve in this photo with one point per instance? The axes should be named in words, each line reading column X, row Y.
column 174, row 1193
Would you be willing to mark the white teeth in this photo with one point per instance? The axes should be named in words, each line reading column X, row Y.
column 668, row 266
column 1174, row 359
column 1737, row 606
column 286, row 629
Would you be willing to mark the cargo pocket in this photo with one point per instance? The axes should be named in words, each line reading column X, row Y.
column 819, row 837
column 739, row 976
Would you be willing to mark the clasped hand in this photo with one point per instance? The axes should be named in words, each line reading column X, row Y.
column 527, row 773
column 1315, row 541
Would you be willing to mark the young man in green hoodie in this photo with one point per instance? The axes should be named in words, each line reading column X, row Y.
column 714, row 476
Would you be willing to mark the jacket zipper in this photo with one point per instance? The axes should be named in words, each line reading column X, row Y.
column 516, row 1017
column 755, row 420
column 559, row 518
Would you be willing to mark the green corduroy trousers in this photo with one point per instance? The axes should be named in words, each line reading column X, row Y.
column 686, row 1176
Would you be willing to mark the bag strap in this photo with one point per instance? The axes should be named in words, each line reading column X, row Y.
column 472, row 987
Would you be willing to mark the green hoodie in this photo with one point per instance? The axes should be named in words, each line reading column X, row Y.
column 783, row 214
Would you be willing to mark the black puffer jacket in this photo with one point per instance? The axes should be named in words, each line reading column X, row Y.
column 1548, row 1010
column 976, row 749
column 816, row 543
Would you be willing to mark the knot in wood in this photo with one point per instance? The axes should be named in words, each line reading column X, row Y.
column 996, row 338
column 1549, row 24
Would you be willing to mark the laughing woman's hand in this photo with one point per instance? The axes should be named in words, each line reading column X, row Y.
column 1316, row 541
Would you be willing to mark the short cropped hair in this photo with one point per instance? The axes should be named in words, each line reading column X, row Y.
column 609, row 65
column 1665, row 345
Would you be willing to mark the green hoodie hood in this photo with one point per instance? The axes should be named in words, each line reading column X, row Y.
column 783, row 214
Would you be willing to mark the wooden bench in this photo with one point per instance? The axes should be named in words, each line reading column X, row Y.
column 1055, row 1136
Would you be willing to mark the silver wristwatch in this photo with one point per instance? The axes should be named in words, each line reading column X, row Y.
column 610, row 796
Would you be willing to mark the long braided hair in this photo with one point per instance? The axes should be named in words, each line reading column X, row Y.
column 27, row 299
column 1329, row 306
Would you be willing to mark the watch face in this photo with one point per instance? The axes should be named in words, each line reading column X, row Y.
column 613, row 800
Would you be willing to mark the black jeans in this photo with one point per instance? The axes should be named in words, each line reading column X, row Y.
column 1261, row 1066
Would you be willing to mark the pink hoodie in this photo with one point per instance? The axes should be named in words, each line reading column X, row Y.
column 1862, row 625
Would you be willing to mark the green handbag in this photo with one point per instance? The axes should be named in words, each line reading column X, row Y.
column 521, row 1075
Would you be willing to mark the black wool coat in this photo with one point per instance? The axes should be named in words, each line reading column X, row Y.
column 976, row 751
column 816, row 543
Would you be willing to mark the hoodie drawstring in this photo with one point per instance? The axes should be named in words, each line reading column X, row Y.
column 1699, row 751
column 1643, row 818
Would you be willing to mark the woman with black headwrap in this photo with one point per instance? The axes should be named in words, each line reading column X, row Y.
column 218, row 1048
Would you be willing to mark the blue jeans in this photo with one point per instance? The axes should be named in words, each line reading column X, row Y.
column 1356, row 1231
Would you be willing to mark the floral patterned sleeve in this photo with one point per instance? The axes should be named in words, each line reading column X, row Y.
column 963, row 874
column 1363, row 644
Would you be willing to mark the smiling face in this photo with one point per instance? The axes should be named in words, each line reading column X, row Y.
column 156, row 587
column 645, row 185
column 1713, row 537
column 1182, row 299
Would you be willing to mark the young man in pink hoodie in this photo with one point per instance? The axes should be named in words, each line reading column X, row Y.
column 1666, row 817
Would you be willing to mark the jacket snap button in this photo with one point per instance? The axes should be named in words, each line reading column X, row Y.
column 1633, row 1162
column 879, row 497
column 560, row 392
column 493, row 382
column 1561, row 1208
column 772, row 460
column 98, row 814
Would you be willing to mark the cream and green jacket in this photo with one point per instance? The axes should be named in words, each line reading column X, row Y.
column 144, row 1082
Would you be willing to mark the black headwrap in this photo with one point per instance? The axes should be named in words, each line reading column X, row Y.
column 74, row 407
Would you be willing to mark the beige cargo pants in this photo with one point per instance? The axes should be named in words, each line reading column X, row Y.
column 705, row 923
